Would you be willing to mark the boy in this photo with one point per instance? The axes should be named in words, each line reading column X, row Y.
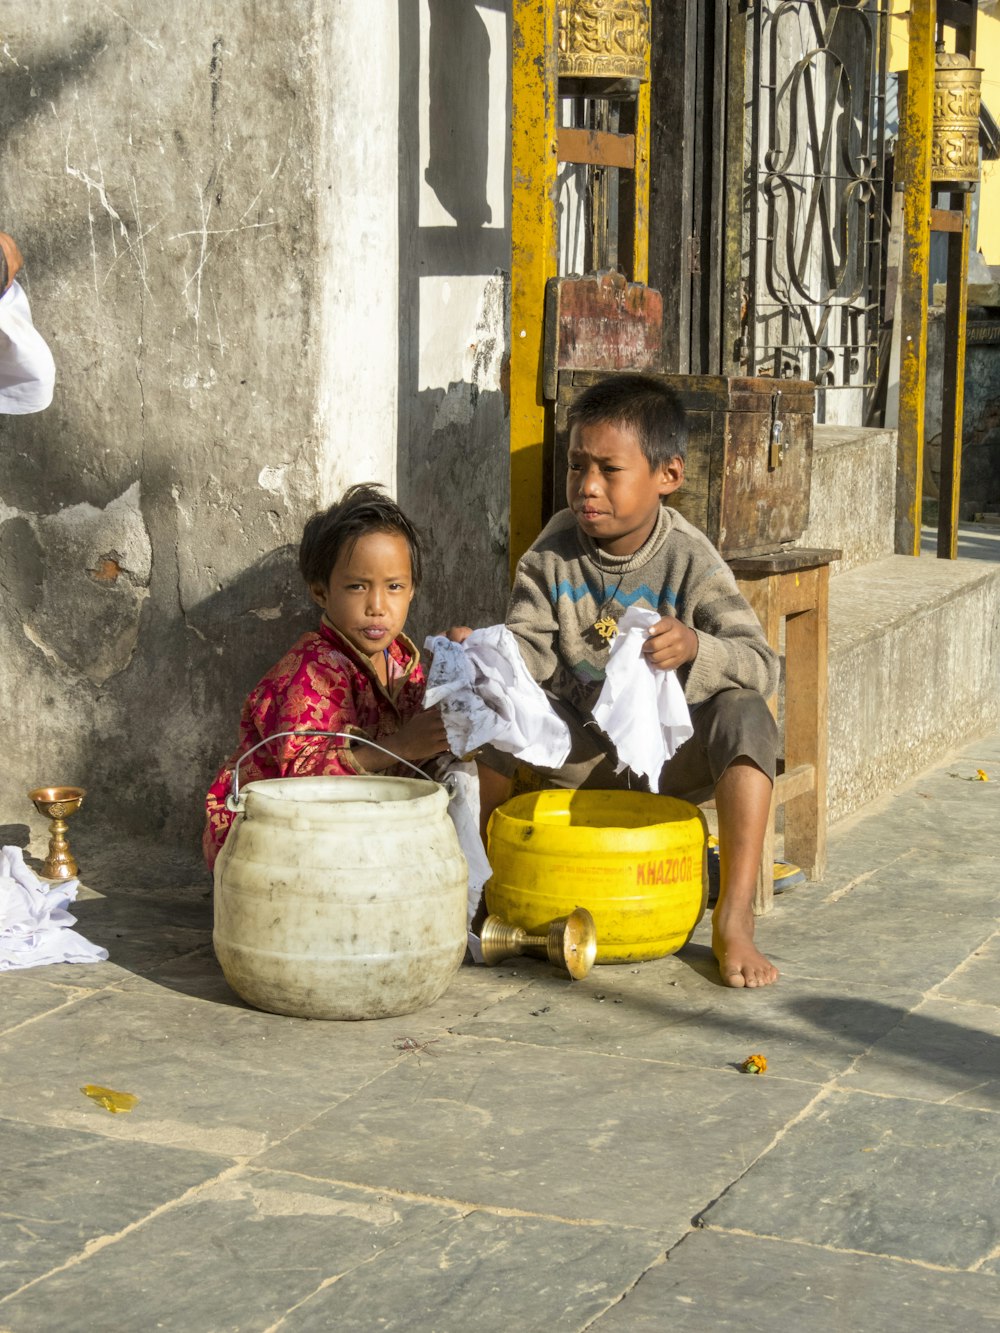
column 617, row 545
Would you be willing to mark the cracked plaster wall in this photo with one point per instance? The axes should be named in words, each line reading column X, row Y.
column 163, row 171
column 269, row 249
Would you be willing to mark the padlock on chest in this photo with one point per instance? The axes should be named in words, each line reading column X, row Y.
column 776, row 447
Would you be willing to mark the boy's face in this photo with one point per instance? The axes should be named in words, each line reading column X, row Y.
column 612, row 489
column 369, row 591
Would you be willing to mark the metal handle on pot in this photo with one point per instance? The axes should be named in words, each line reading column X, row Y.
column 232, row 800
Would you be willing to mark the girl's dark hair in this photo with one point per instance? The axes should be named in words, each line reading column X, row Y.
column 639, row 403
column 361, row 509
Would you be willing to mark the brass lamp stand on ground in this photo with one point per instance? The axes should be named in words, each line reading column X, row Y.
column 570, row 942
column 57, row 804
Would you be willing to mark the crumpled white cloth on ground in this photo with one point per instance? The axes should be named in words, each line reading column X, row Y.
column 34, row 923
column 641, row 709
column 27, row 371
column 486, row 696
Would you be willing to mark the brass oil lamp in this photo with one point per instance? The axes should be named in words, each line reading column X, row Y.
column 57, row 804
column 569, row 942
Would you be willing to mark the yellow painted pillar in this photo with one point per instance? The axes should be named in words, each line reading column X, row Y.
column 640, row 236
column 534, row 254
column 915, row 170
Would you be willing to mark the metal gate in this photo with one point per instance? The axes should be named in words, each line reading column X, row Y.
column 815, row 156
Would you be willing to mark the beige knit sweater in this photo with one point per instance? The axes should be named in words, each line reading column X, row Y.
column 564, row 584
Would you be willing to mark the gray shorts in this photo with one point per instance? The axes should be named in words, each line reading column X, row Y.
column 733, row 724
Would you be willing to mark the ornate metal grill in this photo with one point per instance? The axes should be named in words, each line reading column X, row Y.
column 815, row 178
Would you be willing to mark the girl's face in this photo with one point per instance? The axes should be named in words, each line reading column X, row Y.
column 369, row 591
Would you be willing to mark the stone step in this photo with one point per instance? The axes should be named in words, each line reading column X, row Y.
column 914, row 652
column 853, row 494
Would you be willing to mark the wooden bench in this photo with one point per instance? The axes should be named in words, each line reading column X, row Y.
column 793, row 586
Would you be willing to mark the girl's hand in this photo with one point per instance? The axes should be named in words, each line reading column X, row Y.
column 670, row 644
column 422, row 737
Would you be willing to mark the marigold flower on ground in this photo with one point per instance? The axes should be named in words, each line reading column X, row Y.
column 754, row 1064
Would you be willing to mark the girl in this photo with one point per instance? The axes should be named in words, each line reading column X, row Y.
column 357, row 673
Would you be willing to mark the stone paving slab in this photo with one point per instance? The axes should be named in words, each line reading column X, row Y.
column 944, row 1052
column 936, row 884
column 523, row 1152
column 853, row 859
column 235, row 1256
column 866, row 938
column 883, row 1175
column 25, row 996
column 472, row 990
column 209, row 1076
column 152, row 869
column 713, row 1282
column 249, row 1249
column 65, row 1190
column 573, row 1135
column 196, row 974
column 664, row 1011
column 976, row 979
column 493, row 1274
column 140, row 935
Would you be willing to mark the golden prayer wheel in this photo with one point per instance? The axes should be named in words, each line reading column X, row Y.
column 955, row 131
column 606, row 40
column 955, row 140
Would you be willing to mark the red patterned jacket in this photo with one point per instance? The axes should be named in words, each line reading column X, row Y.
column 321, row 684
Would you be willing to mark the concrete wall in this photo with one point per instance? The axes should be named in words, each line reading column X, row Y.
column 852, row 498
column 228, row 214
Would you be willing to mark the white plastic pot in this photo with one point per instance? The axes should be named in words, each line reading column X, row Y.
column 341, row 897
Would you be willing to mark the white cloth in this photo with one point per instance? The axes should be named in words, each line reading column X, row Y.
column 641, row 709
column 486, row 696
column 462, row 784
column 34, row 923
column 27, row 371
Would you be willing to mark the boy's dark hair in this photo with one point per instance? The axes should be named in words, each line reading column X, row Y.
column 361, row 509
column 639, row 403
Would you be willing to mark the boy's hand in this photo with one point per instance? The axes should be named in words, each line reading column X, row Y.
column 10, row 261
column 670, row 644
column 458, row 633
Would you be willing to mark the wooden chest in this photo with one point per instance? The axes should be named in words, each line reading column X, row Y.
column 747, row 496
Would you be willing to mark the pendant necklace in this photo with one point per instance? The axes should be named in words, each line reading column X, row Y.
column 605, row 624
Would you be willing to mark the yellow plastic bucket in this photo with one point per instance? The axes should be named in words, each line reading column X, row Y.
column 636, row 861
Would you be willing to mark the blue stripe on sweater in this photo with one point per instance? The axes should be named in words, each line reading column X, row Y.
column 587, row 673
column 643, row 593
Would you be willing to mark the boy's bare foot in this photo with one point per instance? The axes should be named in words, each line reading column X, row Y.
column 741, row 963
